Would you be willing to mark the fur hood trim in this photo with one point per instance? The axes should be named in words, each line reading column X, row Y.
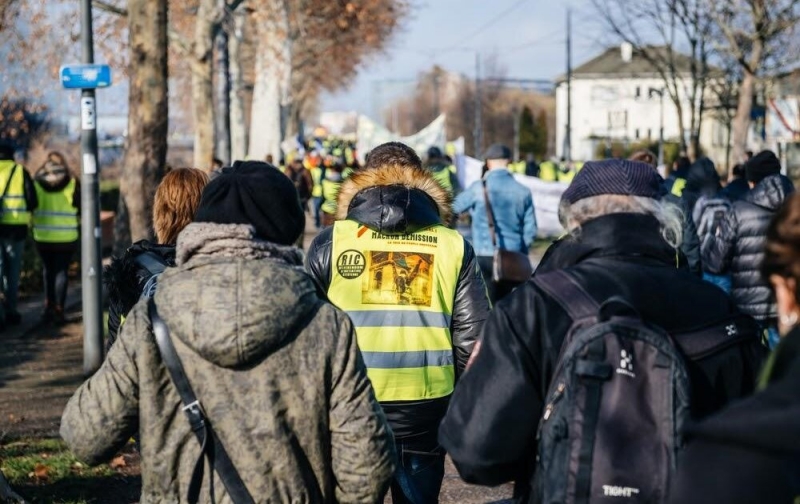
column 410, row 178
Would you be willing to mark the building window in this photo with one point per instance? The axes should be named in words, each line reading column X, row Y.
column 636, row 133
column 649, row 133
column 638, row 94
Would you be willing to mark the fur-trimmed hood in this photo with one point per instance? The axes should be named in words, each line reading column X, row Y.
column 394, row 200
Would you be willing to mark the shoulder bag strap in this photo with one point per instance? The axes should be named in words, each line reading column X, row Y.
column 489, row 214
column 568, row 293
column 217, row 456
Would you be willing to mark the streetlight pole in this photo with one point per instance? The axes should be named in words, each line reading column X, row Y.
column 660, row 93
column 90, row 212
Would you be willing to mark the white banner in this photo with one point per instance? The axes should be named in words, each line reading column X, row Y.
column 371, row 134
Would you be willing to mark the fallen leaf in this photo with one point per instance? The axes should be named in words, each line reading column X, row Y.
column 41, row 471
column 118, row 462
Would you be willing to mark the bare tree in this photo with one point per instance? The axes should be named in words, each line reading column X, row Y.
column 146, row 152
column 755, row 32
column 657, row 30
column 238, row 128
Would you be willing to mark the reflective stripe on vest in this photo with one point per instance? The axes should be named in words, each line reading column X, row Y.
column 316, row 176
column 15, row 208
column 677, row 187
column 330, row 191
column 55, row 220
column 399, row 292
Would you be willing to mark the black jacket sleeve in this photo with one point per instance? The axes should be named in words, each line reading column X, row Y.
column 691, row 245
column 490, row 427
column 31, row 201
column 318, row 260
column 470, row 308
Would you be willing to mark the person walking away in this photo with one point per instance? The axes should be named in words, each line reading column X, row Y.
column 302, row 181
column 317, row 174
column 531, row 166
column 490, row 429
column 443, row 171
column 511, row 205
column 331, row 184
column 548, row 169
column 55, row 229
column 275, row 368
column 18, row 201
column 756, row 439
column 135, row 274
column 737, row 188
column 738, row 244
column 676, row 181
column 414, row 292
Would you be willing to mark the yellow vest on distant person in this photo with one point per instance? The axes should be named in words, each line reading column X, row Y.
column 547, row 171
column 15, row 208
column 55, row 220
column 399, row 291
column 330, row 191
column 316, row 176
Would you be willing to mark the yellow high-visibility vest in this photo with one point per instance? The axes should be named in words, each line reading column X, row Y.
column 330, row 191
column 678, row 186
column 547, row 171
column 399, row 292
column 15, row 208
column 566, row 176
column 316, row 176
column 55, row 220
column 443, row 178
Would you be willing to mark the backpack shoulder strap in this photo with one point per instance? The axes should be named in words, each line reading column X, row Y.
column 568, row 293
column 217, row 456
column 152, row 262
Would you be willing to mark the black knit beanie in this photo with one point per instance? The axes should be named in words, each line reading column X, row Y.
column 761, row 166
column 255, row 193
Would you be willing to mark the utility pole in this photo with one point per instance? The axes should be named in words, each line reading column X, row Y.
column 568, row 137
column 478, row 132
column 90, row 212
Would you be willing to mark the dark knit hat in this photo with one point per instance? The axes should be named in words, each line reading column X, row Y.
column 761, row 166
column 255, row 193
column 615, row 176
column 497, row 151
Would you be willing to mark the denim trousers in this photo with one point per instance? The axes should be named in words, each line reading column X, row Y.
column 419, row 475
column 11, row 267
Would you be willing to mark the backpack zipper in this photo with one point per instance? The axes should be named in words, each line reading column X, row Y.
column 548, row 411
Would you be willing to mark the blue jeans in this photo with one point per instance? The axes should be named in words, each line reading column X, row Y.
column 11, row 266
column 316, row 204
column 419, row 476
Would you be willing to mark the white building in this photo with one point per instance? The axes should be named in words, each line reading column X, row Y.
column 616, row 96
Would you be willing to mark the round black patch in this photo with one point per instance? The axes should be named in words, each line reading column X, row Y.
column 351, row 264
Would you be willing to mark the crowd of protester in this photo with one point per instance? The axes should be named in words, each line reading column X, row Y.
column 651, row 355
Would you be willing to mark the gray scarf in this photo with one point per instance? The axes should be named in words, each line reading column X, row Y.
column 206, row 239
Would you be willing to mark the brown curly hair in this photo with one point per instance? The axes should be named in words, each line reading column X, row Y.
column 782, row 250
column 177, row 198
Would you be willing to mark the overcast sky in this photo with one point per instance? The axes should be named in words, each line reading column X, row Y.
column 528, row 37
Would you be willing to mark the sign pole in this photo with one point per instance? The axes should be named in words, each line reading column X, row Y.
column 91, row 270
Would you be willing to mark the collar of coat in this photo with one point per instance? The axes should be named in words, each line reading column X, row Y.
column 206, row 239
column 394, row 199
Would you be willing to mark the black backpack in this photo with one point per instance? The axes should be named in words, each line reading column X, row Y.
column 618, row 401
column 151, row 265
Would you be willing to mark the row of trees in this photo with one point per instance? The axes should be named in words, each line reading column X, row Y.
column 731, row 45
column 269, row 57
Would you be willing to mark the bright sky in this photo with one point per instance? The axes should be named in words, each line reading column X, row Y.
column 528, row 37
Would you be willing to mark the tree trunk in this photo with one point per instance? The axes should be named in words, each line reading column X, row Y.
column 238, row 128
column 222, row 126
column 202, row 89
column 679, row 112
column 741, row 121
column 146, row 152
column 271, row 90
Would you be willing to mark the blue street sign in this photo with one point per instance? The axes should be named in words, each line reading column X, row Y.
column 85, row 76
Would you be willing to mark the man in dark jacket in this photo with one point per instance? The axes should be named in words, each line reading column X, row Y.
column 416, row 296
column 738, row 187
column 490, row 428
column 739, row 243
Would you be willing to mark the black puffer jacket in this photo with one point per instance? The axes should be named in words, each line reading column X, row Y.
column 397, row 202
column 125, row 279
column 738, row 247
column 490, row 428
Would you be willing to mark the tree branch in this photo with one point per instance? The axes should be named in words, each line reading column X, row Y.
column 110, row 8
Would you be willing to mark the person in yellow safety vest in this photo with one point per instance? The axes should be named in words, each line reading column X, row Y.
column 18, row 201
column 331, row 182
column 443, row 171
column 548, row 171
column 415, row 294
column 566, row 171
column 518, row 167
column 55, row 229
column 676, row 181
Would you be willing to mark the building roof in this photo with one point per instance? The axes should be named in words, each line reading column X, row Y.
column 610, row 64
